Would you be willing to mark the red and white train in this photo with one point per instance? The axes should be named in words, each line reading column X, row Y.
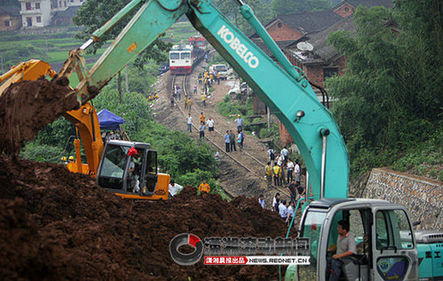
column 182, row 58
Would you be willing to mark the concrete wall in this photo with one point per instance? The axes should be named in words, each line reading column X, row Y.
column 422, row 197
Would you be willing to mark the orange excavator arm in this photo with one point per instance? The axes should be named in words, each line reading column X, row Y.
column 85, row 118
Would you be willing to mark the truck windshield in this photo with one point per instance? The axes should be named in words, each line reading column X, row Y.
column 312, row 229
column 113, row 167
column 219, row 68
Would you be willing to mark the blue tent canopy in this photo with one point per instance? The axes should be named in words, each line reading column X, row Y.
column 108, row 120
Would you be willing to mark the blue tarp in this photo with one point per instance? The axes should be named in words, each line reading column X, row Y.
column 108, row 120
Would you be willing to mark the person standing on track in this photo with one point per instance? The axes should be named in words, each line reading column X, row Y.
column 240, row 140
column 232, row 140
column 268, row 174
column 179, row 93
column 239, row 122
column 297, row 171
column 186, row 102
column 195, row 89
column 227, row 141
column 203, row 99
column 276, row 171
column 189, row 104
column 189, row 122
column 211, row 124
column 202, row 118
column 202, row 130
column 290, row 166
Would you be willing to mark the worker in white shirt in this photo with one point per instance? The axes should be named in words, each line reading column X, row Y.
column 174, row 188
column 261, row 201
column 189, row 122
column 290, row 166
column 211, row 124
column 285, row 153
column 297, row 172
column 283, row 210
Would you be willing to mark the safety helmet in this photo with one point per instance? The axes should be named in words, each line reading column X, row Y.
column 132, row 151
column 64, row 158
column 239, row 115
column 71, row 158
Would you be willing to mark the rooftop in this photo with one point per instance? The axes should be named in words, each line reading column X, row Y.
column 308, row 22
column 367, row 3
column 322, row 52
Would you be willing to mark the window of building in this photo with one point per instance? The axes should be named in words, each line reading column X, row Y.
column 37, row 6
column 39, row 19
column 29, row 21
column 279, row 25
column 330, row 72
column 7, row 24
column 28, row 6
column 346, row 9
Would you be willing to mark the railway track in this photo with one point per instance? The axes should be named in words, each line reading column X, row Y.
column 183, row 82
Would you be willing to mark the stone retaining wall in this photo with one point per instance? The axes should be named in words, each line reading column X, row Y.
column 422, row 197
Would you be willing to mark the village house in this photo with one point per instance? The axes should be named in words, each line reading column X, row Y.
column 9, row 18
column 40, row 13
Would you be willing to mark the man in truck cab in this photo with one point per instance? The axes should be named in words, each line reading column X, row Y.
column 345, row 248
column 134, row 170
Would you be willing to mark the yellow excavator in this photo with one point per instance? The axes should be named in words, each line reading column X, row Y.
column 125, row 172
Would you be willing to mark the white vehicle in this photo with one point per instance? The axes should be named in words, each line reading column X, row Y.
column 223, row 69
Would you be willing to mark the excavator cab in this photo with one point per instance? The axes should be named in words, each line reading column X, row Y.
column 128, row 168
column 385, row 246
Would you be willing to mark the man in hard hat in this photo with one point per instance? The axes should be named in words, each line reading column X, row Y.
column 239, row 122
column 134, row 184
column 71, row 159
column 65, row 160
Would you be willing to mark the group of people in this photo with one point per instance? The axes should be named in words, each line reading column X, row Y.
column 229, row 136
column 203, row 123
column 285, row 208
column 281, row 168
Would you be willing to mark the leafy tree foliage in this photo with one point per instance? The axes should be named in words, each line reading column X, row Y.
column 281, row 7
column 95, row 13
column 390, row 97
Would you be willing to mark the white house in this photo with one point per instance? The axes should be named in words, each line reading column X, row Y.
column 38, row 13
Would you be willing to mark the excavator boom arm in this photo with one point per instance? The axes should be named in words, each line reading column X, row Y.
column 287, row 93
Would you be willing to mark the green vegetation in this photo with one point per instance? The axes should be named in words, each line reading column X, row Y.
column 231, row 106
column 186, row 161
column 389, row 100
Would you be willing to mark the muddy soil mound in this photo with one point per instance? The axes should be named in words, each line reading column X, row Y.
column 55, row 225
column 27, row 106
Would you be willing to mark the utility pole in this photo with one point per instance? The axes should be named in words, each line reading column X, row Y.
column 269, row 117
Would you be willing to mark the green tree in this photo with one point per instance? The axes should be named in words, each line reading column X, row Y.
column 389, row 99
column 282, row 7
column 95, row 13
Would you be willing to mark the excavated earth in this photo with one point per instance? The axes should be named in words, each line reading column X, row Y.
column 55, row 225
column 27, row 106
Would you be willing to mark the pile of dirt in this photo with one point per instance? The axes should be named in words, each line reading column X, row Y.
column 27, row 106
column 55, row 225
